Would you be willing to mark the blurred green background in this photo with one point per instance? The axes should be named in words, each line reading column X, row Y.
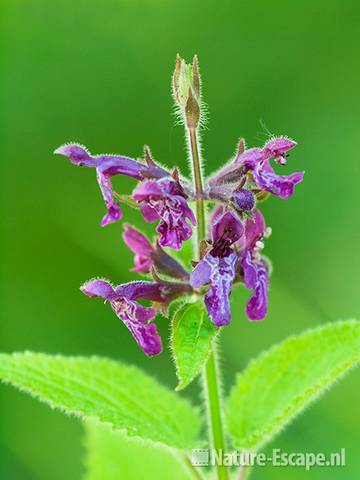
column 99, row 73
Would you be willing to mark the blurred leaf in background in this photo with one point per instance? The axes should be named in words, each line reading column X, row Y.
column 110, row 456
column 99, row 73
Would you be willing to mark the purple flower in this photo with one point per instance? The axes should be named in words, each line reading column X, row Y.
column 256, row 276
column 220, row 273
column 254, row 269
column 256, row 160
column 249, row 158
column 106, row 167
column 255, row 228
column 148, row 256
column 218, row 267
column 282, row 186
column 142, row 248
column 226, row 230
column 235, row 170
column 278, row 148
column 135, row 316
column 165, row 200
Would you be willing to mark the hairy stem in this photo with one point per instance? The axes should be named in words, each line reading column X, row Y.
column 198, row 183
column 211, row 374
column 215, row 421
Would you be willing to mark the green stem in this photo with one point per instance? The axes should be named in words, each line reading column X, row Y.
column 211, row 374
column 211, row 384
column 195, row 473
column 244, row 472
column 196, row 162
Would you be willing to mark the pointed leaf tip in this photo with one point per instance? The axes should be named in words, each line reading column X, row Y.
column 192, row 341
column 283, row 381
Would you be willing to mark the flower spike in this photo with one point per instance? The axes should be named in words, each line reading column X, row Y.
column 231, row 230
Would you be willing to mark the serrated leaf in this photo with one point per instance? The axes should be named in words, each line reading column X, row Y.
column 110, row 455
column 120, row 395
column 192, row 338
column 282, row 382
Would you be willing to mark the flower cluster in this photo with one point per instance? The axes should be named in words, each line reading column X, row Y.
column 231, row 254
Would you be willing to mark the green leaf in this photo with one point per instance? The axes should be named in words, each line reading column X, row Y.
column 280, row 383
column 120, row 395
column 192, row 339
column 110, row 455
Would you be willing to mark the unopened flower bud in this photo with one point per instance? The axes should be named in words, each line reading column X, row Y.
column 186, row 90
column 244, row 199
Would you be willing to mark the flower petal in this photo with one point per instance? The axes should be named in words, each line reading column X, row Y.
column 220, row 273
column 149, row 213
column 147, row 189
column 99, row 288
column 256, row 276
column 217, row 299
column 142, row 248
column 282, row 186
column 254, row 229
column 173, row 228
column 106, row 167
column 107, row 164
column 77, row 154
column 201, row 274
column 144, row 290
column 277, row 148
column 226, row 230
column 279, row 145
column 166, row 200
column 141, row 264
column 135, row 317
column 136, row 241
column 113, row 210
column 147, row 256
column 250, row 158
